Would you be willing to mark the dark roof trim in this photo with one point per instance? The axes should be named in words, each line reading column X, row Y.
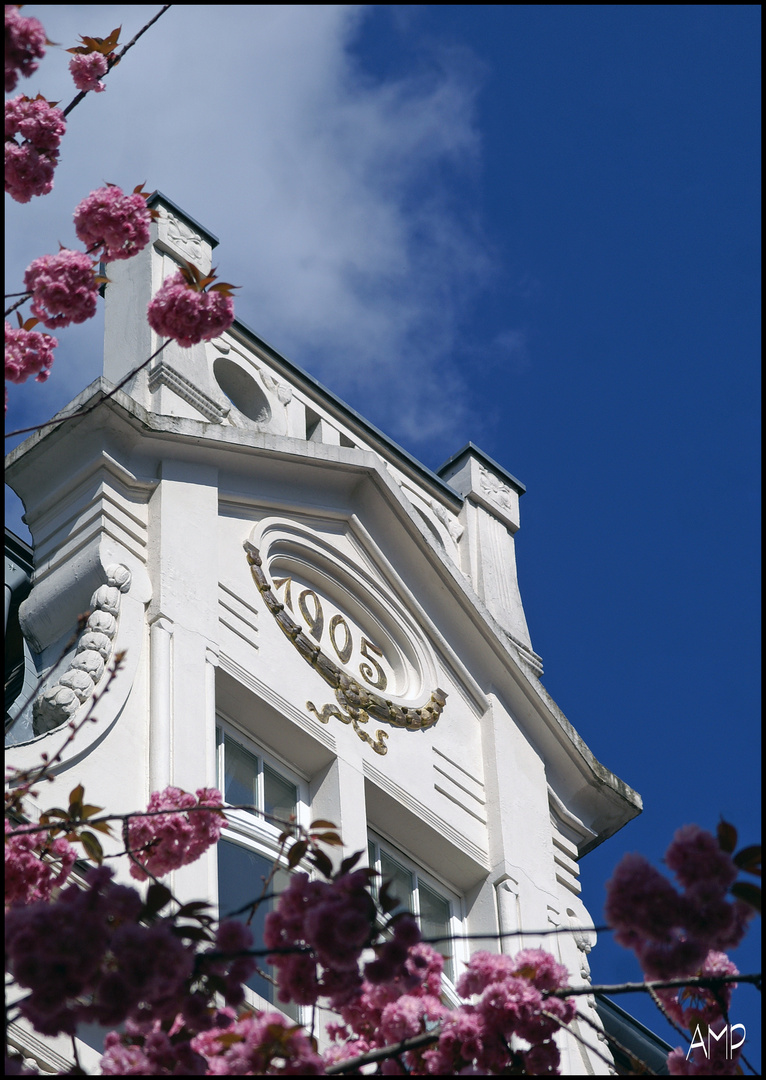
column 19, row 551
column 634, row 1036
column 409, row 462
column 472, row 448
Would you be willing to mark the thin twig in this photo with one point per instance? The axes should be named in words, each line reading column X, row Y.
column 95, row 405
column 706, row 981
column 383, row 1052
column 23, row 300
column 81, row 621
column 112, row 63
column 612, row 1042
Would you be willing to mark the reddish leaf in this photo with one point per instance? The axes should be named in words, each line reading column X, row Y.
column 322, row 862
column 727, row 836
column 75, row 796
column 296, row 853
column 193, row 909
column 92, row 846
column 229, row 1038
column 157, row 896
column 191, row 933
column 320, row 823
column 749, row 859
column 331, row 838
column 751, row 894
column 350, row 862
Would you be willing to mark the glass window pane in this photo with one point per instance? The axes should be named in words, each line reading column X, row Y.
column 240, row 880
column 280, row 797
column 435, row 922
column 401, row 881
column 240, row 774
column 372, row 862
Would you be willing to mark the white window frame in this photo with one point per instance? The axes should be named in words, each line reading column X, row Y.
column 251, row 830
column 456, row 924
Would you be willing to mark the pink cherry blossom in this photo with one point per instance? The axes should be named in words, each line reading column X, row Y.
column 111, row 219
column 27, row 353
column 85, row 958
column 699, row 1005
column 188, row 316
column 27, row 171
column 63, row 287
column 695, row 856
column 713, row 1060
column 165, row 842
column 334, row 922
column 258, row 1044
column 483, row 969
column 36, row 120
column 671, row 932
column 24, row 45
column 55, row 950
column 541, row 969
column 232, row 970
column 146, row 1049
column 29, row 165
column 87, row 69
column 28, row 876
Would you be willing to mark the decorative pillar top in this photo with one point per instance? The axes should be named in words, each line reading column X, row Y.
column 181, row 235
column 473, row 474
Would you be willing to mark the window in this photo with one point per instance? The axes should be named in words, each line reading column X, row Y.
column 248, row 847
column 437, row 909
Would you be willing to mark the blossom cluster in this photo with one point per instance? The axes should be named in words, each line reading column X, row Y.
column 167, row 841
column 334, row 922
column 112, row 220
column 29, row 164
column 508, row 1001
column 84, row 958
column 96, row 952
column 111, row 224
column 188, row 315
column 671, row 932
column 86, row 70
column 34, row 866
column 27, row 352
column 258, row 1044
column 63, row 287
column 682, row 933
column 24, row 45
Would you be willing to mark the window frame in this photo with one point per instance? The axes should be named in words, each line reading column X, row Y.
column 436, row 884
column 253, row 832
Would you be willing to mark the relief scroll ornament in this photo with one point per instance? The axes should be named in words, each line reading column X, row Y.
column 60, row 701
column 356, row 704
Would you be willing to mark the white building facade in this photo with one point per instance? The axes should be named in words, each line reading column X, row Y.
column 313, row 622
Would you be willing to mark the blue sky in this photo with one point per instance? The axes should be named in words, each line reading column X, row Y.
column 534, row 227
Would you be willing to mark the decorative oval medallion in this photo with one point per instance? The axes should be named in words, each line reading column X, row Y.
column 345, row 641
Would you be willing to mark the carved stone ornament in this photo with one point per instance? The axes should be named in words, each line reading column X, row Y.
column 356, row 704
column 494, row 489
column 185, row 239
column 59, row 702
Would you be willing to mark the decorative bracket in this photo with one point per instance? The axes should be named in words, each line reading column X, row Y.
column 59, row 702
column 356, row 703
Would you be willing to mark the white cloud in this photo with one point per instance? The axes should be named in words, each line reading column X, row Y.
column 332, row 192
